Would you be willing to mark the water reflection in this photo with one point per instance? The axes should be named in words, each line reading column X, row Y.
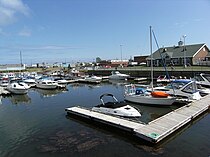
column 118, row 82
column 44, row 93
column 20, row 99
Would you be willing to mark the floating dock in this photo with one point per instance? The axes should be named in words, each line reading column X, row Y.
column 156, row 130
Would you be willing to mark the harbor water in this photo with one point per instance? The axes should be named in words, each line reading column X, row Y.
column 36, row 124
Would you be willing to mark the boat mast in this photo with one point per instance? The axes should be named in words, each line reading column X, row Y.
column 21, row 62
column 151, row 58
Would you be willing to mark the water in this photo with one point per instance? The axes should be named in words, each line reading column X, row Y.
column 37, row 125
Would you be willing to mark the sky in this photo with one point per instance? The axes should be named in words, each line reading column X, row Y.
column 81, row 30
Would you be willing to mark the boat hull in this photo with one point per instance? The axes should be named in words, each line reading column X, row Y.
column 149, row 100
column 46, row 86
column 17, row 91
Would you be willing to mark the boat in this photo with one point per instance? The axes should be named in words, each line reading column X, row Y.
column 62, row 83
column 183, row 89
column 30, row 81
column 139, row 95
column 164, row 79
column 17, row 87
column 116, row 108
column 203, row 79
column 134, row 94
column 46, row 84
column 4, row 83
column 116, row 75
column 91, row 79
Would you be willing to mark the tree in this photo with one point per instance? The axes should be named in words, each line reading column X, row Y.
column 98, row 59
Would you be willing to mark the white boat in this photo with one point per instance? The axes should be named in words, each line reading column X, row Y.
column 46, row 84
column 164, row 79
column 4, row 83
column 30, row 81
column 116, row 75
column 17, row 87
column 139, row 95
column 116, row 108
column 62, row 83
column 203, row 79
column 93, row 79
column 182, row 89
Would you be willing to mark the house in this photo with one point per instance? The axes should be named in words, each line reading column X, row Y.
column 140, row 59
column 196, row 54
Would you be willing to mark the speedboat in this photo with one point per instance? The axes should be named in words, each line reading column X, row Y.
column 203, row 79
column 93, row 79
column 62, row 83
column 17, row 87
column 46, row 84
column 4, row 83
column 116, row 75
column 137, row 94
column 164, row 79
column 30, row 81
column 183, row 89
column 116, row 108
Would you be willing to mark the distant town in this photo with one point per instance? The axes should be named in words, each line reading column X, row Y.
column 177, row 55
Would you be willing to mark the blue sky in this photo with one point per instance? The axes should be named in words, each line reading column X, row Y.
column 81, row 30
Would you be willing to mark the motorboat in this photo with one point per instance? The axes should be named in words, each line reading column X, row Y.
column 135, row 94
column 203, row 79
column 30, row 81
column 90, row 79
column 4, row 83
column 182, row 89
column 116, row 75
column 62, row 83
column 164, row 79
column 17, row 87
column 46, row 84
column 116, row 108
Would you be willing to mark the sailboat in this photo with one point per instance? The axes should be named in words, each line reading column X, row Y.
column 140, row 95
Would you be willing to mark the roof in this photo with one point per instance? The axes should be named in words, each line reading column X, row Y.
column 178, row 51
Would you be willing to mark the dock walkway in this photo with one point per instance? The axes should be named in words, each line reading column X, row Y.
column 156, row 130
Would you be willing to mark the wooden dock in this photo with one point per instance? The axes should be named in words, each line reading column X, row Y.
column 156, row 130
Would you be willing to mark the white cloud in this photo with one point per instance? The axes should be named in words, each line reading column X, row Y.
column 9, row 10
column 26, row 32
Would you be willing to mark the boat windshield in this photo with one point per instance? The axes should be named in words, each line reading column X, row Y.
column 177, row 84
column 190, row 88
column 207, row 77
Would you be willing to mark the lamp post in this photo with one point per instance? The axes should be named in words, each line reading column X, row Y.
column 184, row 36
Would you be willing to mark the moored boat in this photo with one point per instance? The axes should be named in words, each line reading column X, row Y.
column 46, row 84
column 116, row 75
column 116, row 108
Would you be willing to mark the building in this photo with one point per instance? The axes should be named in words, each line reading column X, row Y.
column 140, row 59
column 113, row 63
column 196, row 54
column 12, row 67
